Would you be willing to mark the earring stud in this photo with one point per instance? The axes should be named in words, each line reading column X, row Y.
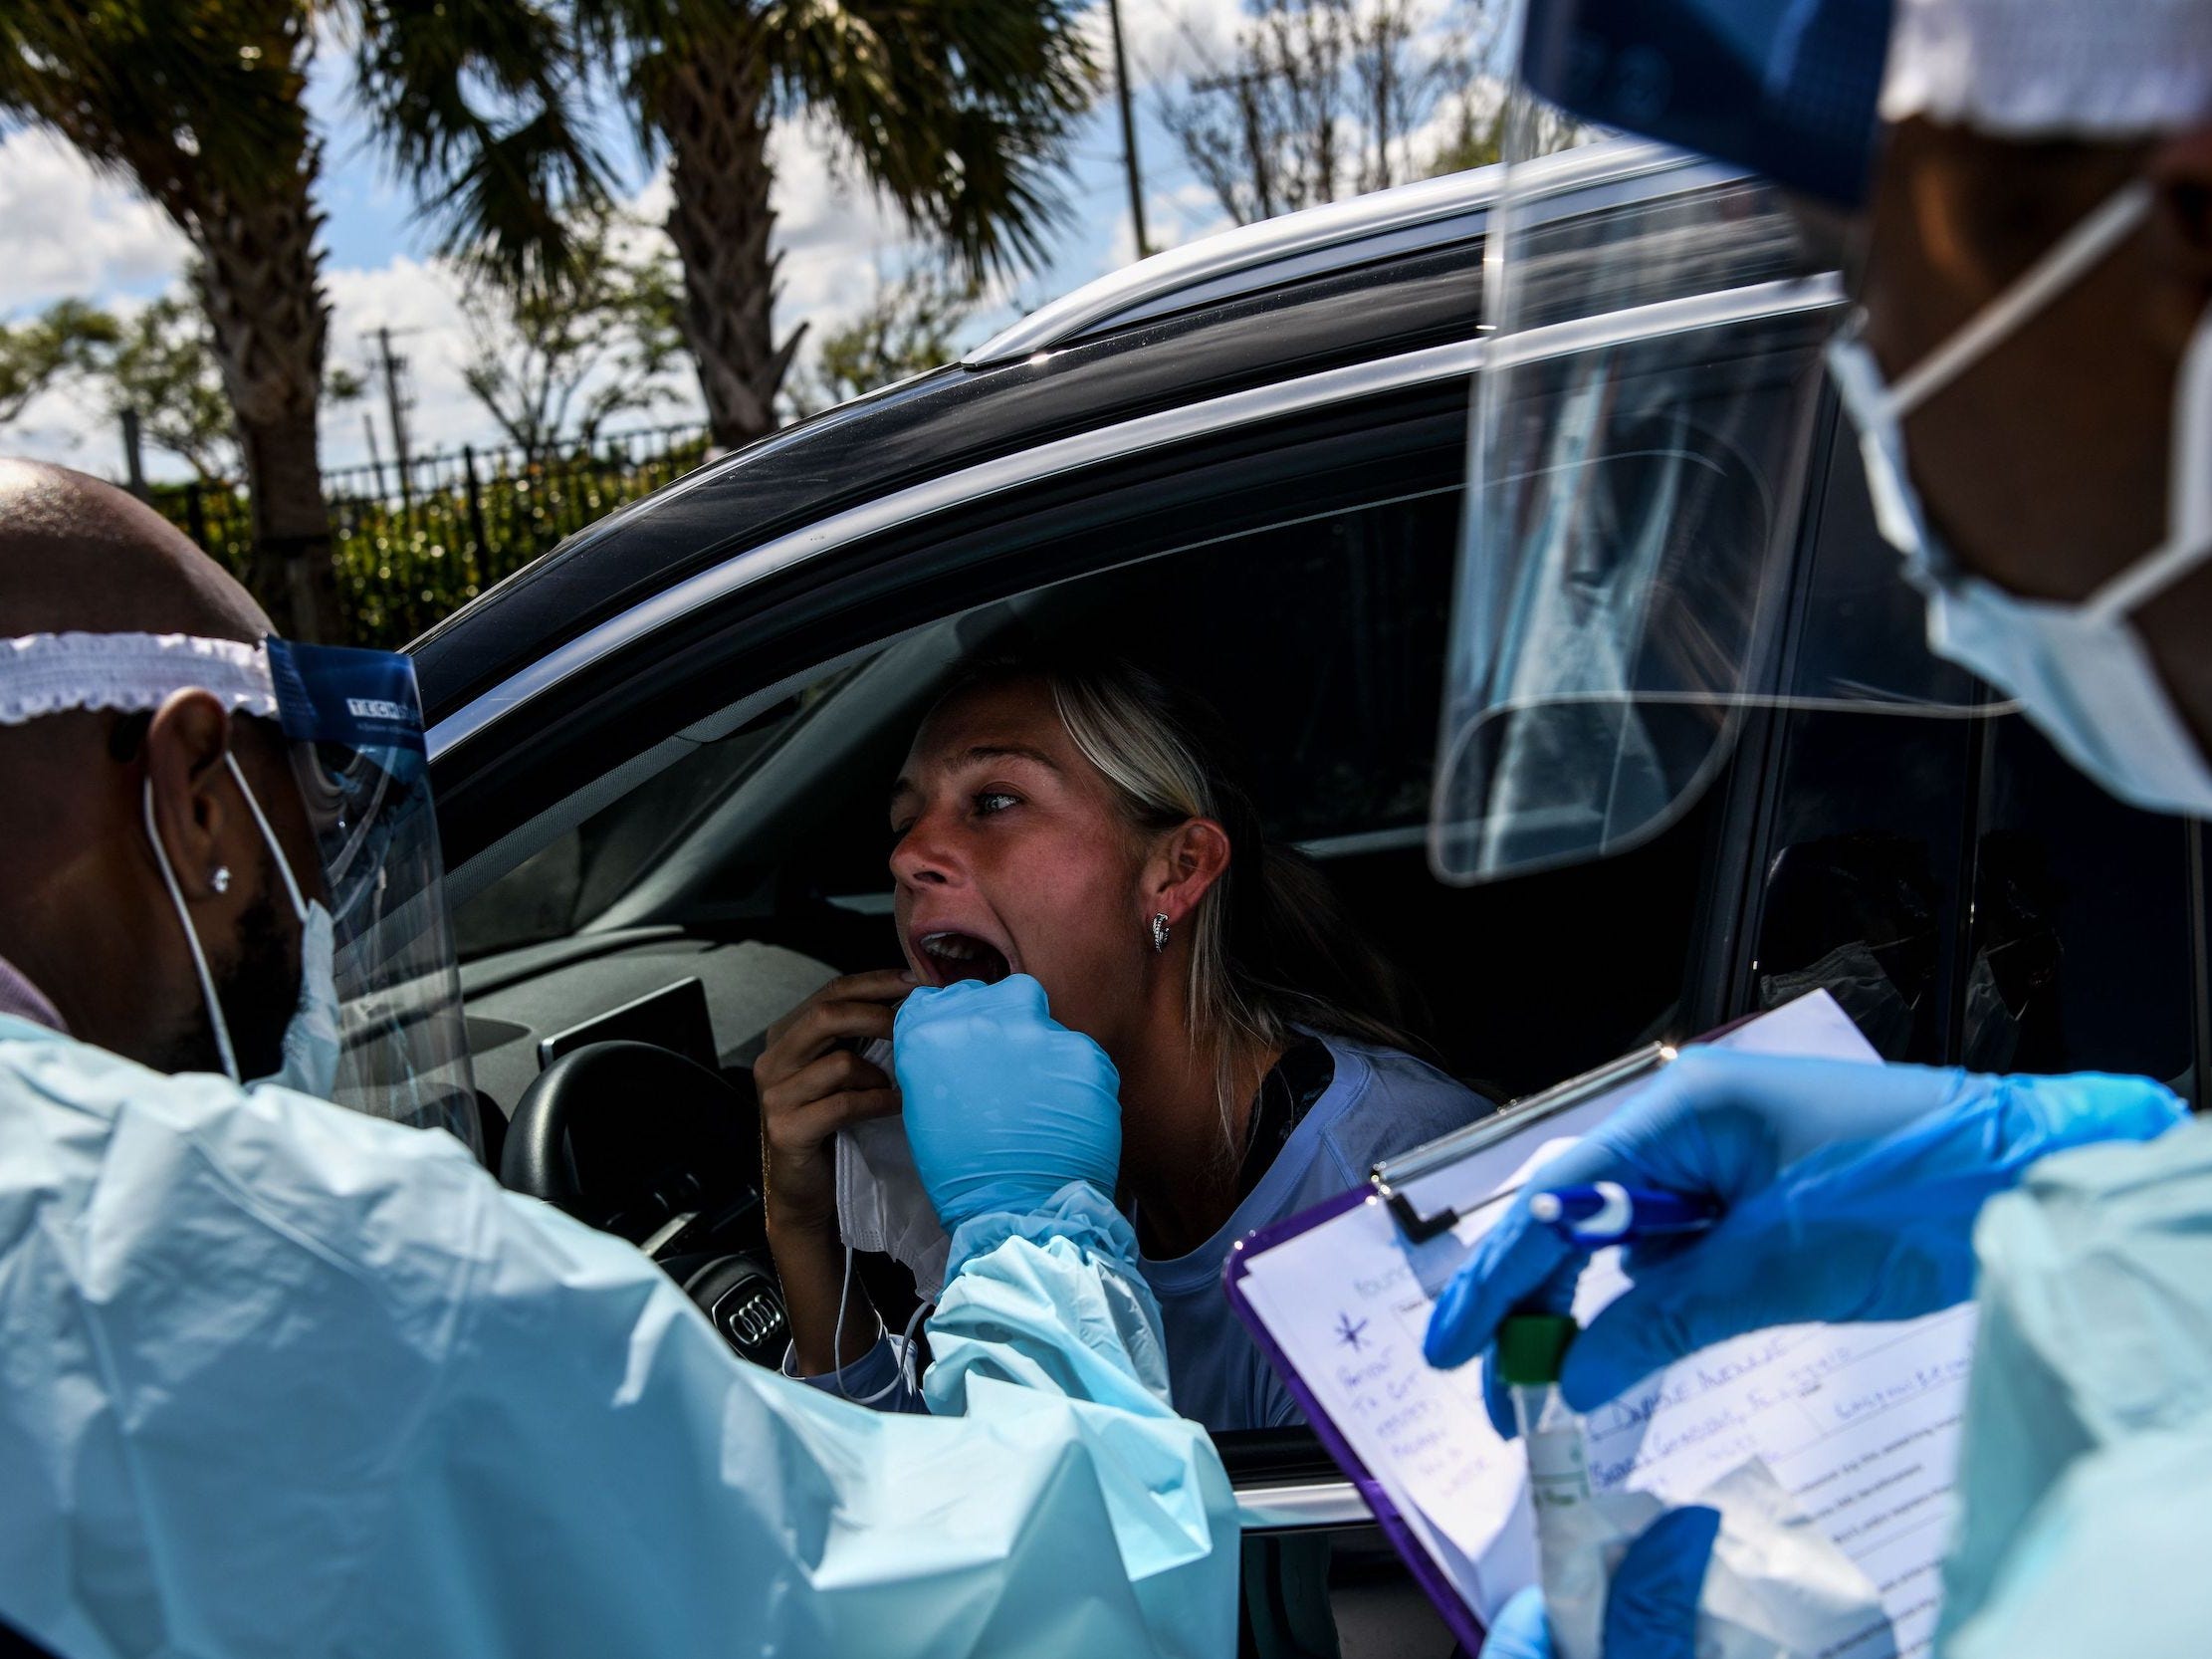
column 1158, row 933
column 220, row 880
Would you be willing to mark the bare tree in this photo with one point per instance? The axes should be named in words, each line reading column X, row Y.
column 907, row 327
column 60, row 341
column 555, row 362
column 1318, row 100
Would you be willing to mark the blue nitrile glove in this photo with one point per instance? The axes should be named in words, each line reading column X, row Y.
column 1651, row 1604
column 1003, row 1105
column 1850, row 1192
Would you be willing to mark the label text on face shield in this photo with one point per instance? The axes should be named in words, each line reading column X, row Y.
column 372, row 708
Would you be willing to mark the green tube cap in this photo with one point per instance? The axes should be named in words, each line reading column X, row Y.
column 1530, row 1347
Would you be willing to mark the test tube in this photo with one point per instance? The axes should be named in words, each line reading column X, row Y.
column 1570, row 1558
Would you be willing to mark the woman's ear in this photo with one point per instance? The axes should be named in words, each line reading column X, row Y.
column 1190, row 858
column 184, row 748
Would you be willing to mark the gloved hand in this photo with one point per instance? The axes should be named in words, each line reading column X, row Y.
column 1850, row 1192
column 1651, row 1604
column 1003, row 1105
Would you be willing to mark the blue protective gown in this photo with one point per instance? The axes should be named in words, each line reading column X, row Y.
column 279, row 1378
column 2086, row 1470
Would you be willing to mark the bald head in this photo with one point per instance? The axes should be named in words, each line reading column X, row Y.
column 100, row 812
column 79, row 555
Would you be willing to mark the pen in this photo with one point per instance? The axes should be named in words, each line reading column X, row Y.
column 1610, row 1214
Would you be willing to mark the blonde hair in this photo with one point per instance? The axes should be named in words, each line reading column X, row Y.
column 1270, row 946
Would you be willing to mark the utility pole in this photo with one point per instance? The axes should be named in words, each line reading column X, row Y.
column 375, row 461
column 1128, row 132
column 396, row 410
column 134, row 456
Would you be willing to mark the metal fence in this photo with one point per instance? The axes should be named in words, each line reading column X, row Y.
column 412, row 544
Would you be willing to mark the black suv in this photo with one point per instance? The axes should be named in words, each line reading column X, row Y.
column 661, row 752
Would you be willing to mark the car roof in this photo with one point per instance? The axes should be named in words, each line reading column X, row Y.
column 1373, row 277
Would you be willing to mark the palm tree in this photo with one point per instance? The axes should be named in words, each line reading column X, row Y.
column 958, row 112
column 201, row 104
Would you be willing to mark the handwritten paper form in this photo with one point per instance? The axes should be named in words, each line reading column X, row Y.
column 1859, row 1422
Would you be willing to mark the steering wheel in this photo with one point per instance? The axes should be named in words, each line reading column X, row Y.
column 630, row 1138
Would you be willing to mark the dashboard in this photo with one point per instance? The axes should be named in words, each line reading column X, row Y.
column 519, row 999
column 617, row 1076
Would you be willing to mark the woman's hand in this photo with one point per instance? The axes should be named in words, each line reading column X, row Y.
column 811, row 1083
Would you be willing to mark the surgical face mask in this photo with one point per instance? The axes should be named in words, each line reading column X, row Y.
column 310, row 1050
column 2079, row 672
column 881, row 1204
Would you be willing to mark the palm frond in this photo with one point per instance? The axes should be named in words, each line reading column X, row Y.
column 959, row 111
column 196, row 100
column 476, row 104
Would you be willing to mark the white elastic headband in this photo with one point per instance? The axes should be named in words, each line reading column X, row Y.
column 2115, row 70
column 130, row 673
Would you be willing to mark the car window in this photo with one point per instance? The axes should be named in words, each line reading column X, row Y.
column 1316, row 640
column 1320, row 640
column 574, row 879
column 1320, row 637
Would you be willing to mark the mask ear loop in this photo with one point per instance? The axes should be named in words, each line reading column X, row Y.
column 191, row 939
column 269, row 837
column 2067, row 262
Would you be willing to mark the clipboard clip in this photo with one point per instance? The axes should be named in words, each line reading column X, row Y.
column 1388, row 1178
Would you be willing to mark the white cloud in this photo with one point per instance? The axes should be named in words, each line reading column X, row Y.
column 420, row 302
column 72, row 231
column 838, row 239
column 839, row 244
column 67, row 425
column 1169, row 39
column 1172, row 217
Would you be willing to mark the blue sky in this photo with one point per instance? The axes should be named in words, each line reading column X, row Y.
column 73, row 233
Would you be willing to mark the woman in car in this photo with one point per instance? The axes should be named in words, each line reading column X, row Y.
column 1080, row 824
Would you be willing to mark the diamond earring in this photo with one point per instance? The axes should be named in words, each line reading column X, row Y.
column 1158, row 933
column 220, row 880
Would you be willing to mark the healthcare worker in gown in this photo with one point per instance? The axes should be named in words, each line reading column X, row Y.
column 2027, row 360
column 279, row 1377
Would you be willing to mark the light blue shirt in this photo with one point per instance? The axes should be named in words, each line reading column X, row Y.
column 1379, row 1102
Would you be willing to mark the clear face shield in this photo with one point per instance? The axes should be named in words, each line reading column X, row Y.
column 354, row 719
column 379, row 1024
column 1630, row 585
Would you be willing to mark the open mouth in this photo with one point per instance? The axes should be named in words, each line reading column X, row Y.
column 957, row 956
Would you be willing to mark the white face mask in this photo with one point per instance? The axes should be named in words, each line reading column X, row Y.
column 881, row 1204
column 2079, row 672
column 310, row 1036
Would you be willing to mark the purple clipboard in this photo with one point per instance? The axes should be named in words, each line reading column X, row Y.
column 1507, row 1122
column 1456, row 1614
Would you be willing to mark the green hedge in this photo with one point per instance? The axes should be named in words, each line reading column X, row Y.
column 405, row 565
